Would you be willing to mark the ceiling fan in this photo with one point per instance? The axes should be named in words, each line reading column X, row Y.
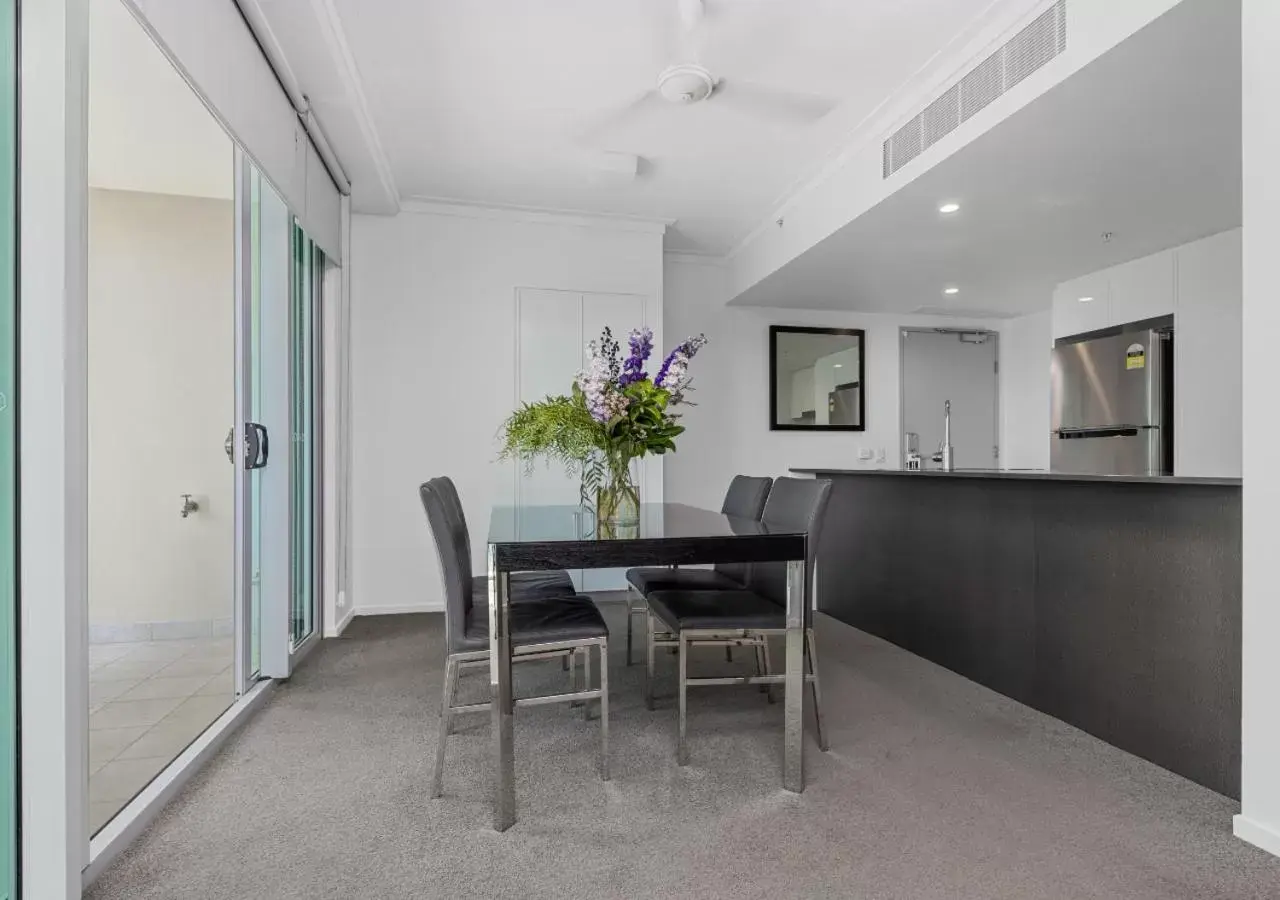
column 686, row 82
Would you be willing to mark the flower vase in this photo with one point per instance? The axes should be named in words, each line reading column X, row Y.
column 617, row 499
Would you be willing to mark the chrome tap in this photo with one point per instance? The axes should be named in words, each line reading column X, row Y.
column 944, row 454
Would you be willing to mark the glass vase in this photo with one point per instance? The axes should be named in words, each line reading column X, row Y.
column 617, row 498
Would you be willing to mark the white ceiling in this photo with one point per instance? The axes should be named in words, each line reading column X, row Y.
column 1143, row 143
column 147, row 130
column 485, row 101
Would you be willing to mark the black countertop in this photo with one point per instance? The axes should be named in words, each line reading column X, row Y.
column 1029, row 475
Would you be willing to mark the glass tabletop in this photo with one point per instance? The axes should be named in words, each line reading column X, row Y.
column 673, row 521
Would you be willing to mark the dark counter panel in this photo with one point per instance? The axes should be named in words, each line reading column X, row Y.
column 1114, row 607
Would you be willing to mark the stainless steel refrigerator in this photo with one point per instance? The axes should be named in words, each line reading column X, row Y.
column 1112, row 396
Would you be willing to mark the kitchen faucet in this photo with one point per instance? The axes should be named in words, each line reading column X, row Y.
column 944, row 454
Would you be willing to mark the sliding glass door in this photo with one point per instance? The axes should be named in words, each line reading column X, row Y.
column 281, row 278
column 8, row 444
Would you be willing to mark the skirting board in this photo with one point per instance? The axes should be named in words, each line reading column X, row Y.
column 385, row 610
column 1261, row 836
column 340, row 626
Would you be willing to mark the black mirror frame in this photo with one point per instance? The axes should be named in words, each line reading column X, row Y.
column 774, row 331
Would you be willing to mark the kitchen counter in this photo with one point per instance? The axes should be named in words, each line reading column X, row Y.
column 1111, row 604
column 1032, row 474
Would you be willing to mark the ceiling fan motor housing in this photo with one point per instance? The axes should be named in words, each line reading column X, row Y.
column 685, row 83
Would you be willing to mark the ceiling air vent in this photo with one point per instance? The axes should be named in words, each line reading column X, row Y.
column 1027, row 51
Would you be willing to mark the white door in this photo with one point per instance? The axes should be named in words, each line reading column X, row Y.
column 955, row 366
column 553, row 328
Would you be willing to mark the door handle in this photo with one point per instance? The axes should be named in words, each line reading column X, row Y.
column 257, row 445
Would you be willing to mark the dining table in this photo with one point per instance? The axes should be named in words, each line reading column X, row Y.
column 541, row 537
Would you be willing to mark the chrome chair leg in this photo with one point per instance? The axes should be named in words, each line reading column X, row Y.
column 586, row 682
column 812, row 643
column 648, row 671
column 768, row 667
column 630, row 620
column 604, row 709
column 446, row 723
column 572, row 669
column 682, row 753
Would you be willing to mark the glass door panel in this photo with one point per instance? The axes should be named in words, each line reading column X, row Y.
column 307, row 258
column 8, row 443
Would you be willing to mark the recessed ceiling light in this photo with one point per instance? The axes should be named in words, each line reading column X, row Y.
column 1086, row 299
column 951, row 290
column 838, row 366
column 949, row 208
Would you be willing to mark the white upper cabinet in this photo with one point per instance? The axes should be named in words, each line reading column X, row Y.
column 1130, row 292
column 1143, row 288
column 1082, row 304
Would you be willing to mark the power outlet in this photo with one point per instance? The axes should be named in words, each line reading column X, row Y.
column 880, row 455
column 342, row 599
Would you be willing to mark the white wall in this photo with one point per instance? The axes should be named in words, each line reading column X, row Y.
column 433, row 368
column 1209, row 373
column 1025, row 344
column 728, row 430
column 1259, row 819
column 161, row 398
column 1199, row 283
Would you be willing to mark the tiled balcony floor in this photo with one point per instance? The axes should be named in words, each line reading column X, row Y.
column 147, row 702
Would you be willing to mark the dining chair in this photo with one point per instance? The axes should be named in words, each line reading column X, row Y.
column 524, row 585
column 745, row 498
column 690, row 617
column 541, row 628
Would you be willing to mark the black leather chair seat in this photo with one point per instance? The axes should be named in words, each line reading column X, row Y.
column 538, row 622
column 648, row 580
column 730, row 610
column 528, row 586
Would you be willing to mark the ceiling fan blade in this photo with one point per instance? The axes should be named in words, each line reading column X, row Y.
column 790, row 107
column 597, row 129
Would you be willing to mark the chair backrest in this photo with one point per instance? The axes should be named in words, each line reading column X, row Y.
column 795, row 504
column 746, row 498
column 455, row 568
column 450, row 493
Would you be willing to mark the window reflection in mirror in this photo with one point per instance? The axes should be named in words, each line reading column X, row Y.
column 816, row 378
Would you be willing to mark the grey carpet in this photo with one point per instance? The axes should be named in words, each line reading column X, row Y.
column 934, row 788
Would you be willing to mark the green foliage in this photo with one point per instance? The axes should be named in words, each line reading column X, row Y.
column 559, row 429
column 646, row 426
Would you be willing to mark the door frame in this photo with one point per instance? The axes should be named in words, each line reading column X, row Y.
column 903, row 331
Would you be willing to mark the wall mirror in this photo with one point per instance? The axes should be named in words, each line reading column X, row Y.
column 816, row 379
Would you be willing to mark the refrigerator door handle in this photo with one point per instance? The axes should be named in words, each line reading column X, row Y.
column 1101, row 431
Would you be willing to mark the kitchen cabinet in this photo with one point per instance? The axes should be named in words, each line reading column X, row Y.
column 1142, row 289
column 1071, row 315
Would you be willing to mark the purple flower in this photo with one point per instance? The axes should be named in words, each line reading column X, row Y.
column 599, row 382
column 674, row 374
column 641, row 343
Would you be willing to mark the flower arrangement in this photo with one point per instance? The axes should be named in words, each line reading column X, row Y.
column 616, row 414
